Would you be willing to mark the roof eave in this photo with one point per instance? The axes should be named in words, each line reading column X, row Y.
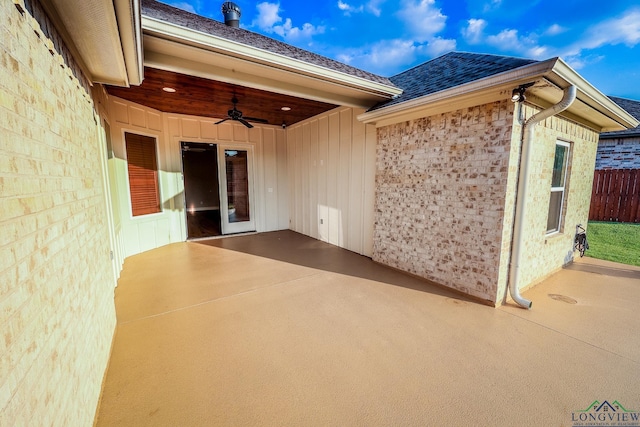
column 246, row 54
column 130, row 28
column 595, row 99
column 483, row 90
column 619, row 135
column 594, row 109
column 103, row 35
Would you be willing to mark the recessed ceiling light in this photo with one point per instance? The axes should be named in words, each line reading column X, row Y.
column 168, row 89
column 286, row 108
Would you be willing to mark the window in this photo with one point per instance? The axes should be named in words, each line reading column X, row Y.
column 558, row 186
column 143, row 174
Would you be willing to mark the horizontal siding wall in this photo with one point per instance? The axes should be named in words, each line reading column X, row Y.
column 332, row 179
column 147, row 232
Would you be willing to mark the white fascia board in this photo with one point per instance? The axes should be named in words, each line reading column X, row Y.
column 469, row 91
column 218, row 44
column 294, row 87
column 593, row 97
column 130, row 28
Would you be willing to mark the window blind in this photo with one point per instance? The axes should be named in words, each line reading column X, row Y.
column 143, row 174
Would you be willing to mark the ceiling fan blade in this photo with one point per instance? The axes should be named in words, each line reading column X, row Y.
column 255, row 119
column 223, row 120
column 246, row 123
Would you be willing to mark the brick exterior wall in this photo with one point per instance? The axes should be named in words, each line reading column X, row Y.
column 445, row 197
column 440, row 196
column 544, row 254
column 56, row 279
column 619, row 153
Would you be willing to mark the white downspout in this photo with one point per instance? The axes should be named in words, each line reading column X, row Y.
column 521, row 195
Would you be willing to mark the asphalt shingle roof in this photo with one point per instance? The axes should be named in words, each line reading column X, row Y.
column 163, row 12
column 450, row 70
column 633, row 108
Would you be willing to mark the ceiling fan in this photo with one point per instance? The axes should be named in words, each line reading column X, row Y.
column 235, row 114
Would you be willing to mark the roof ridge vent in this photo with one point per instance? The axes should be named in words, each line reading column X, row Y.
column 231, row 12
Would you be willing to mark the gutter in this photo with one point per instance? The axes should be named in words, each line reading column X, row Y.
column 521, row 194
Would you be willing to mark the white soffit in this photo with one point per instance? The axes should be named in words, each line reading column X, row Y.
column 92, row 27
column 591, row 104
column 174, row 48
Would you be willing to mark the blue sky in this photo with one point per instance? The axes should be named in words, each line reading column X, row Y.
column 599, row 39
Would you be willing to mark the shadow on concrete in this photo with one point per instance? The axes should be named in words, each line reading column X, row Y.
column 604, row 270
column 294, row 248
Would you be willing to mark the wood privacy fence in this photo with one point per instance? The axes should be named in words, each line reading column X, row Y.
column 616, row 195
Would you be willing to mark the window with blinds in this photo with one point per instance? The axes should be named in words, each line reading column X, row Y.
column 143, row 174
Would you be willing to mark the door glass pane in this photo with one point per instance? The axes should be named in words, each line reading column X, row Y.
column 559, row 164
column 237, row 185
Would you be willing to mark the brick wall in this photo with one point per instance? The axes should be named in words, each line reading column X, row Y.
column 440, row 196
column 56, row 279
column 619, row 153
column 445, row 197
column 545, row 254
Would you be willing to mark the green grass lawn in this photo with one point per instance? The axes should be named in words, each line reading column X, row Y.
column 614, row 241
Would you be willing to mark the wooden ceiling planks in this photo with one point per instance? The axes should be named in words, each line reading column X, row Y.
column 203, row 97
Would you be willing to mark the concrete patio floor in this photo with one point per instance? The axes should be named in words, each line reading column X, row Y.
column 278, row 329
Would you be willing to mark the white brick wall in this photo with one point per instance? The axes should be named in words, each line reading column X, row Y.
column 440, row 196
column 545, row 254
column 56, row 282
column 445, row 194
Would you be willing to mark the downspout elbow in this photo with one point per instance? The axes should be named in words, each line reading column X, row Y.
column 521, row 196
column 567, row 99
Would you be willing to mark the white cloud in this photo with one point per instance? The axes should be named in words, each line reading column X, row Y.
column 184, row 6
column 554, row 30
column 388, row 56
column 422, row 18
column 373, row 6
column 288, row 31
column 474, row 32
column 393, row 51
column 507, row 39
column 624, row 29
column 439, row 46
column 268, row 15
column 269, row 20
column 349, row 9
column 580, row 61
column 493, row 4
column 511, row 40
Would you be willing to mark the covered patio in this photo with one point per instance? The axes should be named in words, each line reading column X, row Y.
column 281, row 329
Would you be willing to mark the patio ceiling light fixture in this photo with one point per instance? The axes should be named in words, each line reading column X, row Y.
column 517, row 95
column 286, row 108
column 168, row 89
